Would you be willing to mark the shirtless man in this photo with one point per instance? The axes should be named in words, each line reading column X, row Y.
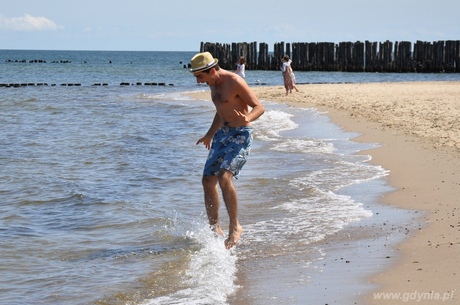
column 228, row 139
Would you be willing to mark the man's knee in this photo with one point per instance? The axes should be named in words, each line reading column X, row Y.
column 225, row 177
column 209, row 181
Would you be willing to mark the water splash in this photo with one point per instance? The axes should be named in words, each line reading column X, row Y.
column 210, row 275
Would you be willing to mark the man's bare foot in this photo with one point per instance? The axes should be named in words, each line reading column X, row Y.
column 217, row 229
column 233, row 237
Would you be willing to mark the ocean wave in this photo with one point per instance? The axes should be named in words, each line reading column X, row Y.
column 339, row 175
column 269, row 126
column 304, row 146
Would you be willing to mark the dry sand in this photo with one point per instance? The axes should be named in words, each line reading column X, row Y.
column 418, row 127
column 428, row 110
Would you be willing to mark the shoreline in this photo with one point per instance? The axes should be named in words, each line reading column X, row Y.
column 417, row 126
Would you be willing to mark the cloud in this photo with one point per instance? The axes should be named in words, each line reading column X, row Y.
column 28, row 23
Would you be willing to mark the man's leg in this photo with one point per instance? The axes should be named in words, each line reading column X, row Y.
column 231, row 202
column 211, row 201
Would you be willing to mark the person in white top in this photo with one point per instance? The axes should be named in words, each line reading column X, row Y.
column 240, row 66
column 288, row 75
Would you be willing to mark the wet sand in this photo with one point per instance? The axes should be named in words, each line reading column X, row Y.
column 418, row 127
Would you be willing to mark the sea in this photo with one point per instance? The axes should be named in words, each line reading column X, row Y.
column 101, row 199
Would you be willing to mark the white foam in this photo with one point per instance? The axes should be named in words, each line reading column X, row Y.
column 340, row 175
column 308, row 219
column 210, row 274
column 272, row 123
column 304, row 146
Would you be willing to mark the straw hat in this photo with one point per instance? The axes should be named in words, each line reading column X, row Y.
column 203, row 61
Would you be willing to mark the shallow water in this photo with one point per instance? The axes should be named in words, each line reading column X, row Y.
column 101, row 199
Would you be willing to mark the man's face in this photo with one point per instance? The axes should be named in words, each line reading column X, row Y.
column 204, row 77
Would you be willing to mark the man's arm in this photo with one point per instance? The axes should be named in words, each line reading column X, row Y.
column 248, row 96
column 207, row 139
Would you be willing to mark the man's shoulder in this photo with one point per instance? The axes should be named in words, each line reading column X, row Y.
column 232, row 79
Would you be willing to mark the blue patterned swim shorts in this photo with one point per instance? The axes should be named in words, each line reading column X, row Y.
column 229, row 150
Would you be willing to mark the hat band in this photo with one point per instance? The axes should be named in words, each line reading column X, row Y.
column 205, row 67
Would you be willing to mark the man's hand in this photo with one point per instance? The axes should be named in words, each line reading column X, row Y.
column 206, row 141
column 241, row 116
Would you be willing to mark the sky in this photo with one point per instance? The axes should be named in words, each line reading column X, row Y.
column 181, row 25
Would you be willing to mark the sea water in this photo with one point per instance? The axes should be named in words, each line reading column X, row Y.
column 100, row 185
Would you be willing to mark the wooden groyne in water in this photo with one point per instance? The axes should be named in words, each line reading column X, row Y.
column 44, row 84
column 19, row 85
column 421, row 57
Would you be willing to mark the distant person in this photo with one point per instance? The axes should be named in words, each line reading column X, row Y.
column 240, row 67
column 229, row 139
column 288, row 75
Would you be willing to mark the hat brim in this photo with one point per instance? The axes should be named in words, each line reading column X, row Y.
column 204, row 68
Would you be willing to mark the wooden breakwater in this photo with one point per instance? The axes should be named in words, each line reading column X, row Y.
column 422, row 57
column 20, row 85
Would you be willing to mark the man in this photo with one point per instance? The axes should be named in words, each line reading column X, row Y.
column 228, row 139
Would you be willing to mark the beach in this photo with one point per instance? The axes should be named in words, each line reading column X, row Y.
column 416, row 125
column 358, row 199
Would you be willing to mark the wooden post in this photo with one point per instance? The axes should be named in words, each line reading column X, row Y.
column 312, row 56
column 385, row 52
column 278, row 55
column 358, row 57
column 419, row 56
column 371, row 57
column 439, row 56
column 253, row 56
column 263, row 60
column 344, row 57
column 455, row 51
column 402, row 57
column 304, row 62
column 295, row 57
column 450, row 57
